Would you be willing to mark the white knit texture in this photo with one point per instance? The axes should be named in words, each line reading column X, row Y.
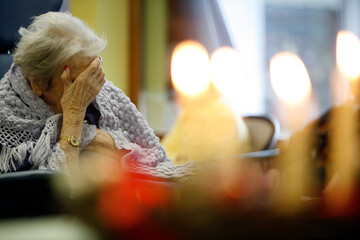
column 27, row 124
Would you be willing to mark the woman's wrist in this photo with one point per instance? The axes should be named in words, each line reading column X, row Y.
column 72, row 124
column 74, row 113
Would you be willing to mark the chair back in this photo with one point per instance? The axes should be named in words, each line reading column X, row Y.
column 33, row 187
column 264, row 131
column 5, row 63
column 13, row 15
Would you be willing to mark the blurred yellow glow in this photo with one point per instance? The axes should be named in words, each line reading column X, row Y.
column 348, row 54
column 227, row 71
column 190, row 68
column 289, row 78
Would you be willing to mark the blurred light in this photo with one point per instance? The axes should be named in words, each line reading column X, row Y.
column 289, row 78
column 348, row 54
column 190, row 68
column 227, row 72
column 128, row 202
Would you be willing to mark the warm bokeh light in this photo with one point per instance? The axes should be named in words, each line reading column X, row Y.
column 289, row 78
column 227, row 71
column 190, row 68
column 348, row 54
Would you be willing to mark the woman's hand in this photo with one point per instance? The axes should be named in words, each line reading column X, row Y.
column 81, row 91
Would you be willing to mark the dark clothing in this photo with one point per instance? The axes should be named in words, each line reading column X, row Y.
column 92, row 115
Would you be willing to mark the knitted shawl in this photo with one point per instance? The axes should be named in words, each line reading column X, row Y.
column 29, row 128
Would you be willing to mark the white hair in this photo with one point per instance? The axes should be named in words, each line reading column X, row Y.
column 50, row 41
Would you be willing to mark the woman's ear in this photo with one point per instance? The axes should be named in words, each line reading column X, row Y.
column 37, row 90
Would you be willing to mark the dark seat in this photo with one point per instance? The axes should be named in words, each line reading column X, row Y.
column 5, row 63
column 32, row 193
column 27, row 193
column 13, row 15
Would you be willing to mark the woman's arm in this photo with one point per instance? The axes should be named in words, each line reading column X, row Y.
column 103, row 145
column 77, row 96
column 72, row 126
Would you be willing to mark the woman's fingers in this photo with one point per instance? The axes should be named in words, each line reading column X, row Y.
column 90, row 71
column 94, row 69
column 86, row 86
column 65, row 76
column 100, row 78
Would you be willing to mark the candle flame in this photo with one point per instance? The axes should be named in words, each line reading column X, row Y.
column 289, row 78
column 190, row 68
column 348, row 54
column 227, row 71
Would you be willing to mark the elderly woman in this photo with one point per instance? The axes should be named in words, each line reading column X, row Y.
column 56, row 105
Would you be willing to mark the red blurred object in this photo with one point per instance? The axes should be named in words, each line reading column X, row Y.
column 349, row 209
column 131, row 200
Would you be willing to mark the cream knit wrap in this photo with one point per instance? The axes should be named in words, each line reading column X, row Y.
column 29, row 126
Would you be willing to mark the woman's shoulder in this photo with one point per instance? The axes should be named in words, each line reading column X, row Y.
column 111, row 92
column 109, row 88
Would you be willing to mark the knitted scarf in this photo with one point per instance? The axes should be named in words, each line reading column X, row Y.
column 29, row 128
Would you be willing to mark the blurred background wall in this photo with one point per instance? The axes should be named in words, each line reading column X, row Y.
column 143, row 33
column 110, row 18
